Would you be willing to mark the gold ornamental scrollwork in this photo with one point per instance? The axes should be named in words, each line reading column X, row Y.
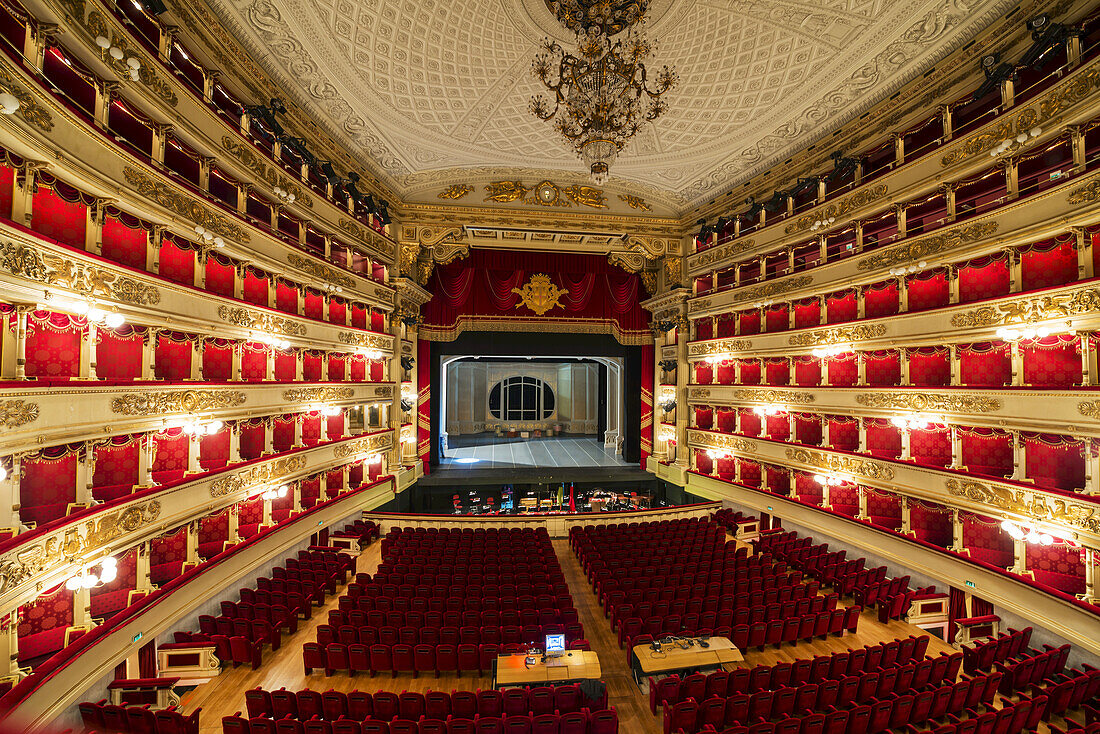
column 15, row 413
column 182, row 401
column 146, row 72
column 539, row 294
column 1036, row 507
column 719, row 441
column 1087, row 194
column 927, row 246
column 366, row 445
column 837, row 335
column 73, row 542
column 170, row 199
column 921, row 402
column 764, row 395
column 1089, row 409
column 713, row 255
column 366, row 341
column 250, row 159
column 317, row 394
column 698, row 393
column 635, row 202
column 28, row 262
column 700, row 305
column 455, row 191
column 839, row 209
column 271, row 471
column 545, row 193
column 1029, row 310
column 264, row 322
column 768, row 290
column 844, row 464
column 317, row 270
column 29, row 108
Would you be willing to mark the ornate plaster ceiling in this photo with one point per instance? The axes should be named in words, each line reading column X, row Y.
column 428, row 89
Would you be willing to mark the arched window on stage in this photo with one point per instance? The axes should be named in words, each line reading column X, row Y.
column 521, row 399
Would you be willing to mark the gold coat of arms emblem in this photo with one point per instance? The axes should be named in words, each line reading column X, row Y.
column 539, row 294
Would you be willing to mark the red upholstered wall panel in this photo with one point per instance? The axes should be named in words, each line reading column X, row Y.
column 220, row 275
column 985, row 364
column 119, row 353
column 1052, row 362
column 883, row 439
column 842, row 370
column 932, row 446
column 986, row 451
column 53, row 344
column 807, row 371
column 252, row 440
column 930, row 366
column 930, row 522
column 286, row 365
column 177, row 261
column 841, row 307
column 217, row 359
column 749, row 372
column 173, row 357
column 751, row 425
column 883, row 368
column 254, row 361
column 57, row 219
column 124, row 245
column 843, row 433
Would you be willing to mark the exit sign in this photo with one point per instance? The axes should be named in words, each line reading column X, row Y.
column 138, row 636
column 970, row 584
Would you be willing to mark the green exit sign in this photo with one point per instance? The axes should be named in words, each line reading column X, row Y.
column 138, row 636
column 970, row 584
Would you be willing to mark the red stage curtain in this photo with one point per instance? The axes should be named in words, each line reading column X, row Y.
column 286, row 365
column 704, row 373
column 376, row 370
column 336, row 368
column 727, row 419
column 118, row 353
column 337, row 311
column 286, row 296
column 779, row 427
column 125, row 241
column 170, row 455
column 807, row 430
column 1048, row 263
column 986, row 277
column 883, row 439
column 116, row 467
column 311, row 366
column 311, row 429
column 844, row 499
column 883, row 368
column 214, row 450
column 807, row 371
column 927, row 290
column 1054, row 461
column 929, row 366
column 807, row 313
column 884, row 509
column 359, row 316
column 315, row 305
column 53, row 344
column 704, row 329
column 358, row 368
column 749, row 372
column 252, row 439
column 777, row 318
column 220, row 275
column 703, row 462
column 931, row 446
column 842, row 370
column 48, row 484
column 986, row 541
column 986, row 364
column 1060, row 566
column 841, row 307
column 60, row 215
column 750, row 322
column 806, row 489
column 254, row 361
column 217, row 359
column 881, row 299
column 778, row 371
column 282, row 434
column 1054, row 361
column 843, row 433
column 750, row 422
column 177, row 261
column 986, row 451
column 930, row 522
column 704, row 418
column 255, row 285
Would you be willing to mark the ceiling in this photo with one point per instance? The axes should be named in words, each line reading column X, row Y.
column 431, row 91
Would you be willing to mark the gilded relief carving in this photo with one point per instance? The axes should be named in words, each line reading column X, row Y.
column 318, row 270
column 380, row 342
column 635, row 202
column 839, row 209
column 455, row 191
column 843, row 464
column 837, row 335
column 921, row 402
column 769, row 290
column 720, row 441
column 1029, row 310
column 539, row 294
column 29, row 108
column 718, row 254
column 146, row 74
column 764, row 395
column 1032, row 505
column 317, row 394
column 170, row 199
column 181, row 401
column 270, row 471
column 250, row 159
column 28, row 262
column 545, row 193
column 927, row 246
column 367, row 444
column 723, row 346
column 264, row 322
column 15, row 413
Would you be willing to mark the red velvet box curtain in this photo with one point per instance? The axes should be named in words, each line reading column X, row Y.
column 703, row 462
column 930, row 522
column 779, row 480
column 929, row 366
column 750, row 322
column 252, row 439
column 704, row 373
column 841, row 307
column 480, row 288
column 751, row 423
column 217, row 359
column 173, row 356
column 177, row 260
column 807, row 313
column 883, row 508
column 42, row 624
column 254, row 361
column 704, row 418
column 985, row 364
column 727, row 419
column 776, row 318
column 750, row 472
column 807, row 429
column 844, row 498
column 119, row 352
column 125, row 239
column 59, row 212
column 807, row 371
column 883, row 368
column 53, row 344
column 1054, row 361
column 986, row 277
column 1048, row 263
column 779, row 427
column 986, row 451
column 48, row 484
column 807, row 490
column 881, row 299
column 220, row 275
column 116, row 467
column 725, row 372
column 931, row 446
column 927, row 290
column 843, row 433
column 883, row 438
column 1060, row 566
column 777, row 371
column 170, row 454
column 842, row 370
column 749, row 372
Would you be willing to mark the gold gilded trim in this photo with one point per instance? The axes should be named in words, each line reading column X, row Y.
column 724, row 346
column 29, row 108
column 315, row 394
column 366, row 341
column 837, row 335
column 318, row 270
column 455, row 191
column 839, row 209
column 635, row 202
column 768, row 290
column 721, row 253
column 261, row 474
column 929, row 401
column 706, row 439
column 367, row 444
column 263, row 321
column 15, row 413
column 765, row 395
column 844, row 464
column 248, row 158
column 934, row 245
column 184, row 401
column 167, row 197
column 1028, row 310
column 28, row 262
column 1036, row 507
column 1089, row 409
column 539, row 294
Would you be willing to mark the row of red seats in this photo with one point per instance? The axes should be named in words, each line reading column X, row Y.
column 728, row 519
column 859, row 582
column 737, row 616
column 868, row 594
column 236, row 649
column 451, row 578
column 101, row 716
column 720, row 556
column 1011, row 719
column 471, row 599
column 468, row 618
column 684, row 590
column 982, row 654
column 1068, row 692
column 705, row 601
column 748, row 579
column 297, row 587
column 577, row 722
column 277, row 615
column 257, row 630
column 387, row 706
column 365, row 531
column 468, row 590
column 1033, row 669
column 368, row 635
column 278, row 595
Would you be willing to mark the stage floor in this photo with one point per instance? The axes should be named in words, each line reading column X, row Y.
column 490, row 452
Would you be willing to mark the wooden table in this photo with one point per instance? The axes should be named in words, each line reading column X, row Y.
column 572, row 665
column 673, row 658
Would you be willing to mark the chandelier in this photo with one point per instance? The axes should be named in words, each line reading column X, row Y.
column 602, row 96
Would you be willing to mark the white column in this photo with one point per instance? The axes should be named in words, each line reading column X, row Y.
column 861, row 494
column 234, row 442
column 1019, row 556
column 9, row 490
column 85, row 465
column 956, row 448
column 269, row 437
column 145, row 460
column 1017, row 364
column 1019, row 457
column 862, row 436
column 88, row 351
column 143, row 568
column 906, row 516
column 957, row 544
column 197, row 348
column 1091, row 577
column 193, row 541
column 149, row 355
column 298, row 418
column 956, row 365
column 193, row 454
column 21, row 314
column 234, row 523
column 9, row 644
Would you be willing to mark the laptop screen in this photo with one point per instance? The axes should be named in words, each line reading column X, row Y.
column 555, row 643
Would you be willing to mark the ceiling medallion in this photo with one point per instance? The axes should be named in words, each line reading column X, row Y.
column 602, row 96
column 539, row 294
column 545, row 193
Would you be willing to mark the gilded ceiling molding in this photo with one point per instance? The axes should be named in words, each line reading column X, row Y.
column 169, row 198
column 776, row 288
column 837, row 335
column 365, row 445
column 455, row 191
column 764, row 395
column 1031, row 505
column 545, row 193
column 841, row 208
column 29, row 108
column 423, row 247
column 317, row 394
column 713, row 255
column 63, row 546
column 181, row 401
column 247, row 156
column 535, row 325
column 261, row 321
column 921, row 402
column 844, row 464
column 24, row 261
column 718, row 346
column 382, row 342
column 635, row 202
column 319, row 270
column 926, row 246
column 1035, row 114
column 720, row 441
column 15, row 413
column 1030, row 310
column 268, row 471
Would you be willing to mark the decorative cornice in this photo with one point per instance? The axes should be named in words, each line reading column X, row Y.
column 925, row 246
column 262, row 321
column 698, row 393
column 921, row 402
column 269, row 471
column 837, row 335
column 844, row 464
column 839, row 209
column 1030, row 310
column 183, row 401
column 250, row 159
column 317, row 394
column 365, row 445
column 319, row 270
column 24, row 261
column 720, row 441
column 15, row 413
column 1035, row 507
column 765, row 395
column 776, row 288
column 166, row 196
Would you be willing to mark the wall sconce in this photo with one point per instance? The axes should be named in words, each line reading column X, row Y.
column 407, row 363
column 1026, row 532
column 195, row 427
column 767, row 410
column 715, row 454
column 9, row 104
column 668, row 406
column 1012, row 143
column 116, row 53
column 915, row 421
column 271, row 340
column 285, row 195
column 1025, row 333
column 208, row 236
column 909, row 269
column 716, row 358
column 832, row 351
column 824, row 222
column 667, row 365
column 830, row 480
column 88, row 309
column 87, row 579
column 275, row 493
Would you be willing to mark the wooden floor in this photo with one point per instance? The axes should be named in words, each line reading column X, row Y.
column 224, row 695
